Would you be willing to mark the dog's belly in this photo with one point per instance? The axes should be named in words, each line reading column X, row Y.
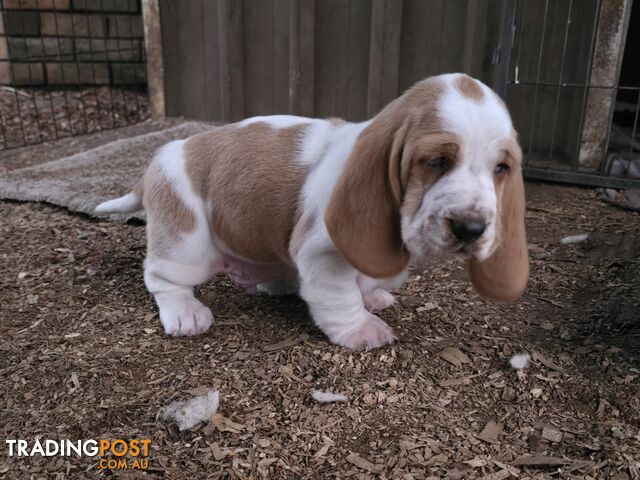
column 248, row 275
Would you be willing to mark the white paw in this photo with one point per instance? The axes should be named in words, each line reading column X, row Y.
column 378, row 299
column 368, row 334
column 186, row 317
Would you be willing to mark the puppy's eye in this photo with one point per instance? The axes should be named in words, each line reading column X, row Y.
column 438, row 164
column 501, row 169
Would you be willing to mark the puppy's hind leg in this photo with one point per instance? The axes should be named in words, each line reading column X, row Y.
column 180, row 251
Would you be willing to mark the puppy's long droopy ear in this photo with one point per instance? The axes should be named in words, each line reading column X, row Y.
column 504, row 275
column 363, row 215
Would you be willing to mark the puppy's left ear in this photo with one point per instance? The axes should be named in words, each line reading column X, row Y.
column 504, row 275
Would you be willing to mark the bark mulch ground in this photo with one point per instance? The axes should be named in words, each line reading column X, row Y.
column 83, row 355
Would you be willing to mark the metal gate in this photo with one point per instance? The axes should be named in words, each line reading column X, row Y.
column 578, row 123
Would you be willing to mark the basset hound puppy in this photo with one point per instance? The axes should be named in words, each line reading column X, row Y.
column 336, row 211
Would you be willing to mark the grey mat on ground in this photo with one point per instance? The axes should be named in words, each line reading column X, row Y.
column 83, row 180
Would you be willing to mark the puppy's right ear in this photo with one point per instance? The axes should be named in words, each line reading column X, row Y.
column 363, row 215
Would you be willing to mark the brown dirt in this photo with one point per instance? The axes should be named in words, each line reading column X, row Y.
column 32, row 116
column 83, row 356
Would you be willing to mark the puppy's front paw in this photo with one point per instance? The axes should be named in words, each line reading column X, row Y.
column 367, row 334
column 185, row 318
column 378, row 299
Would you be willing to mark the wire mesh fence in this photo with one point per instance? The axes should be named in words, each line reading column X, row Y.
column 69, row 67
column 574, row 89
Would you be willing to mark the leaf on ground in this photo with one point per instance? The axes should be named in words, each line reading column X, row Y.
column 491, row 431
column 476, row 462
column 290, row 342
column 224, row 424
column 551, row 434
column 363, row 463
column 454, row 382
column 454, row 356
column 539, row 459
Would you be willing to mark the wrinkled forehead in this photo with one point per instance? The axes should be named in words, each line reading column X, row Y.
column 473, row 112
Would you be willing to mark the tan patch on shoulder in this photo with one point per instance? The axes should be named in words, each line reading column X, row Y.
column 469, row 87
column 253, row 179
column 167, row 214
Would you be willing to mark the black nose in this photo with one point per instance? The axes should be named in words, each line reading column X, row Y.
column 467, row 229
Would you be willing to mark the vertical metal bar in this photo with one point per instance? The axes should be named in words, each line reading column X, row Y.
column 32, row 93
column 520, row 29
column 85, row 116
column 13, row 76
column 560, row 79
column 635, row 125
column 8, row 59
column 508, row 31
column 583, row 107
column 537, row 84
column 136, row 88
column 3, row 131
column 93, row 68
column 53, row 112
column 77, row 63
column 520, row 6
column 64, row 80
column 118, row 48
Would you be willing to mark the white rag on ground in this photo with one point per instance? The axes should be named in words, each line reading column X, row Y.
column 188, row 413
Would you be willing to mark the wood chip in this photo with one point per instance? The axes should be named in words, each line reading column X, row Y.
column 500, row 475
column 551, row 434
column 427, row 307
column 476, row 462
column 454, row 356
column 491, row 431
column 538, row 357
column 364, row 464
column 328, row 443
column 286, row 343
column 453, row 382
column 539, row 459
column 224, row 424
column 75, row 380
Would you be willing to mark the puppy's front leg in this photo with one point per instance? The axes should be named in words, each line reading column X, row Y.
column 328, row 285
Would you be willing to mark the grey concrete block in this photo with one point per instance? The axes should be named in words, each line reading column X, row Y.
column 77, row 73
column 128, row 74
column 23, row 74
column 72, row 25
column 106, row 5
column 40, row 49
column 109, row 50
column 22, row 23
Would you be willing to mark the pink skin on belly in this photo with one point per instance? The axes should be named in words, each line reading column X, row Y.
column 247, row 275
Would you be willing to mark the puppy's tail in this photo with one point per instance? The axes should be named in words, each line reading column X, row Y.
column 131, row 202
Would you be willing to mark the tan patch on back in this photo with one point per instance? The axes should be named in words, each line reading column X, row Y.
column 167, row 214
column 252, row 177
column 469, row 87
